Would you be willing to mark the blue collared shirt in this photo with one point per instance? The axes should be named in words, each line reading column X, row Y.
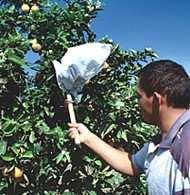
column 167, row 164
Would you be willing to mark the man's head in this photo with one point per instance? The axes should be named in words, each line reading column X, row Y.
column 167, row 79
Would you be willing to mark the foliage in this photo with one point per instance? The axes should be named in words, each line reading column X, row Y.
column 33, row 126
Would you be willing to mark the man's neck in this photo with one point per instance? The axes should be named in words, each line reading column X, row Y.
column 168, row 117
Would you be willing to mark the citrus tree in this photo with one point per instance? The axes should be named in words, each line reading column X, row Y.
column 36, row 154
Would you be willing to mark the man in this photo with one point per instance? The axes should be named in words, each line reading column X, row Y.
column 164, row 98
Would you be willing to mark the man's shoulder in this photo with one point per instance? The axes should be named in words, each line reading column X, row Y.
column 185, row 130
column 180, row 149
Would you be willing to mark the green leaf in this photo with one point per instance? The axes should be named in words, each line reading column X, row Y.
column 63, row 156
column 92, row 193
column 3, row 147
column 15, row 149
column 119, row 104
column 37, row 148
column 3, row 185
column 59, row 157
column 109, row 173
column 8, row 127
column 122, row 135
column 7, row 157
column 28, row 154
column 16, row 60
column 98, row 162
column 32, row 137
column 44, row 127
column 87, row 159
column 68, row 193
column 108, row 130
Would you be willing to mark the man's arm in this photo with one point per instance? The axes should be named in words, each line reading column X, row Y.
column 119, row 160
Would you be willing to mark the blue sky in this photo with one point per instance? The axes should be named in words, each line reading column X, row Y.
column 162, row 25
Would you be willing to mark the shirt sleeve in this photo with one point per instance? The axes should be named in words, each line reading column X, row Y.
column 180, row 151
column 138, row 158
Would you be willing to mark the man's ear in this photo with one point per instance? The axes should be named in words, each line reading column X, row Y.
column 156, row 102
column 157, row 98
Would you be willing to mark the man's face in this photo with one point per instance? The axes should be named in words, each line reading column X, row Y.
column 146, row 106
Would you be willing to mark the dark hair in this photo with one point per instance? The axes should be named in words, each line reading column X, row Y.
column 167, row 78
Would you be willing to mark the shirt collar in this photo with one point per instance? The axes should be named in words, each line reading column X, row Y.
column 166, row 143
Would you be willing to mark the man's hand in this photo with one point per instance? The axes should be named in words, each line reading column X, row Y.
column 119, row 160
column 79, row 132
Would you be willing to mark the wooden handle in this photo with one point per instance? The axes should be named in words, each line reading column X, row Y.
column 72, row 115
column 71, row 109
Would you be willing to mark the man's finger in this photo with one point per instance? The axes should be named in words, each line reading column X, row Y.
column 73, row 125
column 72, row 129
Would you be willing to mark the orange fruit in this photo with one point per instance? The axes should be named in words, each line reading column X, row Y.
column 34, row 8
column 105, row 65
column 18, row 173
column 25, row 8
column 5, row 172
column 87, row 82
column 36, row 47
column 33, row 41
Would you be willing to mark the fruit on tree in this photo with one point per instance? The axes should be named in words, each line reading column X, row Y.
column 5, row 172
column 33, row 41
column 87, row 82
column 50, row 51
column 34, row 8
column 105, row 65
column 25, row 8
column 18, row 173
column 36, row 47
